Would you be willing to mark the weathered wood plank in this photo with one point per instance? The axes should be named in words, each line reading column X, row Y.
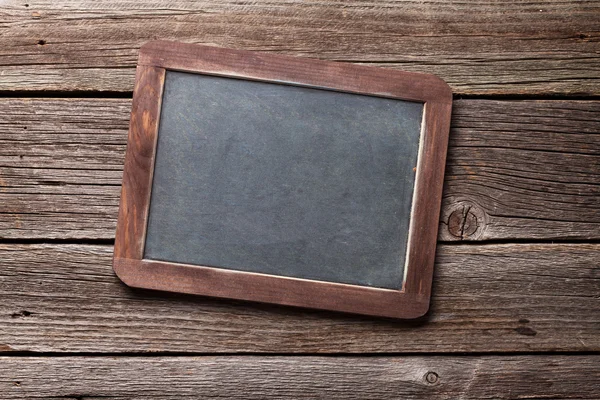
column 254, row 377
column 486, row 298
column 500, row 47
column 523, row 170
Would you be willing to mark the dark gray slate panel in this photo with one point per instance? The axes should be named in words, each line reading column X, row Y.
column 283, row 180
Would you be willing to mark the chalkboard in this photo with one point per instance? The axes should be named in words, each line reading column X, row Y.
column 284, row 180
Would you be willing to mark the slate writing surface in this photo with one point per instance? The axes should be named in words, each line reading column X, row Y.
column 283, row 180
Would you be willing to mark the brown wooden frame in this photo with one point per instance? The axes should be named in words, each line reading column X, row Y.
column 411, row 301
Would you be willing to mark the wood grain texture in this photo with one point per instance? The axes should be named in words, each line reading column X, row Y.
column 516, row 169
column 234, row 377
column 523, row 170
column 503, row 47
column 486, row 298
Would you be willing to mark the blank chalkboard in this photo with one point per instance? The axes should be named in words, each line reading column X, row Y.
column 283, row 180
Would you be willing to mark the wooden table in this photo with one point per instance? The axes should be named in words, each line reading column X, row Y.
column 516, row 304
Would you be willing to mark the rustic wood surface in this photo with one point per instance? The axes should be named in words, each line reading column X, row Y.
column 516, row 296
column 250, row 377
column 516, row 169
column 478, row 47
column 486, row 298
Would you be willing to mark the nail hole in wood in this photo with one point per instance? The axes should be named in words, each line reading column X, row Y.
column 20, row 314
column 525, row 331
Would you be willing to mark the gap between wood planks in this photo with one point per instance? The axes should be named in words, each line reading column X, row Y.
column 57, row 94
column 111, row 242
column 181, row 354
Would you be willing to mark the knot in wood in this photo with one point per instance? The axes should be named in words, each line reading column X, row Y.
column 466, row 221
column 462, row 223
column 431, row 378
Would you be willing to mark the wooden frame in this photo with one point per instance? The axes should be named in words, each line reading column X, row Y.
column 156, row 57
